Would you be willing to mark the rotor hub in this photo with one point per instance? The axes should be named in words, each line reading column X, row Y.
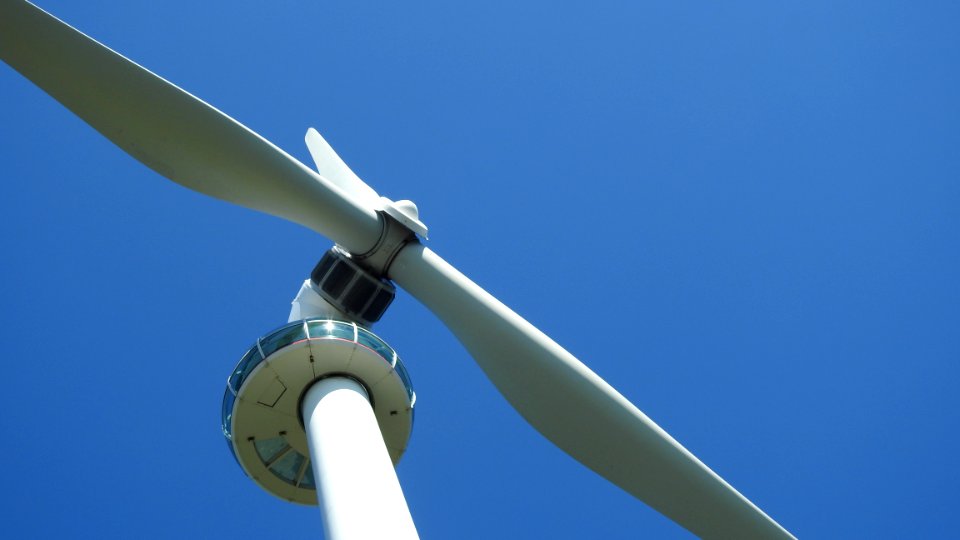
column 400, row 225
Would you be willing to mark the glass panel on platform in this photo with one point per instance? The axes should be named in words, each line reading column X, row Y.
column 367, row 339
column 269, row 449
column 288, row 467
column 281, row 338
column 332, row 329
column 244, row 367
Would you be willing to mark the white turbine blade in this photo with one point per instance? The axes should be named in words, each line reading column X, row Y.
column 174, row 133
column 577, row 410
column 331, row 167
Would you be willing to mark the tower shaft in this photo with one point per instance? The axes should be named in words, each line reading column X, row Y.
column 357, row 486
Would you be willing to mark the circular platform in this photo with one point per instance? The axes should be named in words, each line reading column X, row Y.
column 261, row 406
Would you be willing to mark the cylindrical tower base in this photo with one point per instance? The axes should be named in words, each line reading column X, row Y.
column 357, row 487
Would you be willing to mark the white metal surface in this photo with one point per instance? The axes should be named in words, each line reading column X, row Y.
column 405, row 212
column 308, row 304
column 357, row 487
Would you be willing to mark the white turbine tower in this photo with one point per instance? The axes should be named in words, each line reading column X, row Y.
column 321, row 408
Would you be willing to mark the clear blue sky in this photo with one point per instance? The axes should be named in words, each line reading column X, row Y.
column 744, row 217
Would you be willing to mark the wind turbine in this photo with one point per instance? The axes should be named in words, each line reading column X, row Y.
column 196, row 146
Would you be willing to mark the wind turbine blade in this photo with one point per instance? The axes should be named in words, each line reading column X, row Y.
column 173, row 132
column 331, row 167
column 577, row 410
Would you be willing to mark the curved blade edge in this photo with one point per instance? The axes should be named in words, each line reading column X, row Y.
column 173, row 132
column 333, row 168
column 577, row 410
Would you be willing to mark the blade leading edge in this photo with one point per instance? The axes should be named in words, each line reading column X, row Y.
column 173, row 132
column 577, row 410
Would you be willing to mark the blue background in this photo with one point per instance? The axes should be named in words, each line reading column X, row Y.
column 743, row 216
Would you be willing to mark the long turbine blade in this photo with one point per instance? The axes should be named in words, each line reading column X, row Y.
column 174, row 133
column 576, row 409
